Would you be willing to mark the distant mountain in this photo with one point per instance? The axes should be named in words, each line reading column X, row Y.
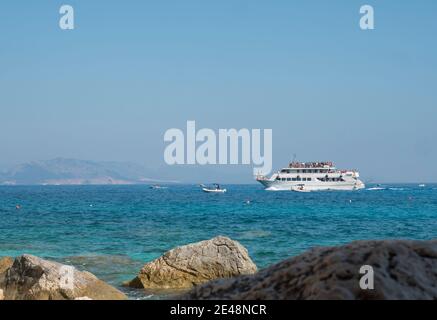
column 62, row 171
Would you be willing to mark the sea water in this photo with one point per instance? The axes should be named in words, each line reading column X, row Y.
column 112, row 231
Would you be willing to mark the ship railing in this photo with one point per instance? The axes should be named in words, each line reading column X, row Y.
column 304, row 165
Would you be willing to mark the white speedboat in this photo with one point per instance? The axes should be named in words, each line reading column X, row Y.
column 300, row 188
column 375, row 189
column 312, row 176
column 215, row 189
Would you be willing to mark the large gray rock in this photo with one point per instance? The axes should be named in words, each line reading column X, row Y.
column 402, row 270
column 195, row 263
column 32, row 278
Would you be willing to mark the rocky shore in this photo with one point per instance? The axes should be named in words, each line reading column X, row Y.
column 193, row 264
column 402, row 270
column 32, row 278
column 220, row 268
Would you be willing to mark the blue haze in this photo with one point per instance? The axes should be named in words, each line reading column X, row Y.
column 130, row 70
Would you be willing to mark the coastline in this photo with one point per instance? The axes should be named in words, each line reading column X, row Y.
column 401, row 267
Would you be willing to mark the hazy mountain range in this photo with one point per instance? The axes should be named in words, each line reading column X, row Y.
column 62, row 171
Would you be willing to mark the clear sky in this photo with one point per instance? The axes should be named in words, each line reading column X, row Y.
column 109, row 89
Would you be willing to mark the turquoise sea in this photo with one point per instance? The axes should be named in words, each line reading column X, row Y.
column 112, row 231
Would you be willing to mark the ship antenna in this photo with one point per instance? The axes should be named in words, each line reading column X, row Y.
column 294, row 157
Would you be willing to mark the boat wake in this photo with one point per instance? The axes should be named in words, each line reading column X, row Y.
column 272, row 189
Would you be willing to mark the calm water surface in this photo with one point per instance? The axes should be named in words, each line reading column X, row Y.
column 112, row 231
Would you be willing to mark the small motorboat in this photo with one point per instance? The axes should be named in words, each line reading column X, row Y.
column 376, row 188
column 215, row 189
column 299, row 188
column 422, row 185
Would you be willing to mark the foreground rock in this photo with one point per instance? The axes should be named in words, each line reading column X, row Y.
column 5, row 264
column 32, row 278
column 402, row 270
column 195, row 263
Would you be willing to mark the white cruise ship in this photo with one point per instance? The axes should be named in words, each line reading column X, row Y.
column 312, row 176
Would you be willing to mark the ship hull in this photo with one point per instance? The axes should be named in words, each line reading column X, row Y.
column 274, row 185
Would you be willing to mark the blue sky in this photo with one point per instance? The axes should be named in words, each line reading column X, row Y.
column 130, row 70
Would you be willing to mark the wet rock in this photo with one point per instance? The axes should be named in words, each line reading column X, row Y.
column 32, row 278
column 195, row 263
column 402, row 270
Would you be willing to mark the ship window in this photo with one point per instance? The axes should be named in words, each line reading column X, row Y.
column 283, row 179
column 299, row 179
column 288, row 179
column 293, row 179
column 304, row 171
column 308, row 179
